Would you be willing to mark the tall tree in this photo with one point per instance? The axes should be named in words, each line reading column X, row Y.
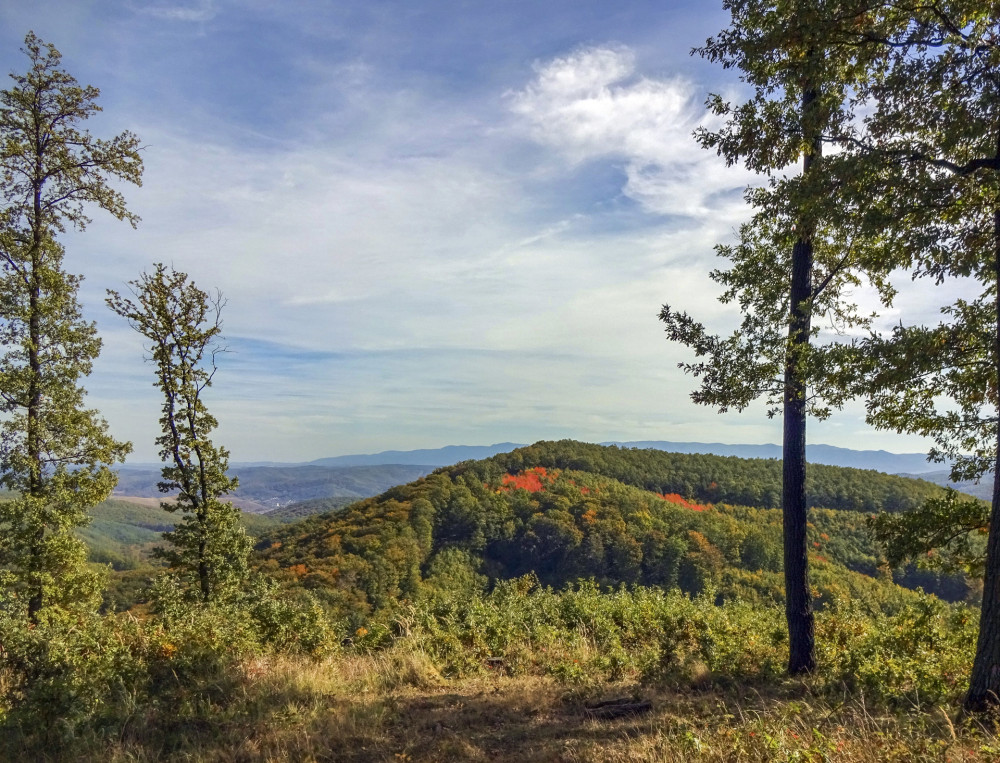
column 791, row 264
column 209, row 548
column 935, row 132
column 53, row 452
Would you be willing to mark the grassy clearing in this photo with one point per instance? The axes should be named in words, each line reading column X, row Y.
column 395, row 706
column 507, row 676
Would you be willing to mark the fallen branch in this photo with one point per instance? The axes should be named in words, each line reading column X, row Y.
column 617, row 708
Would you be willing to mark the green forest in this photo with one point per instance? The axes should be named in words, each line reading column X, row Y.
column 566, row 511
column 564, row 601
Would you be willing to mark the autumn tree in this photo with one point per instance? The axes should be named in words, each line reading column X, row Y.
column 935, row 135
column 54, row 452
column 209, row 549
column 796, row 260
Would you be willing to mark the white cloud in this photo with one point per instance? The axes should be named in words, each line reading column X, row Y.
column 592, row 104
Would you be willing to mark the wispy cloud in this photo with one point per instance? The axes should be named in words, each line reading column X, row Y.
column 423, row 239
column 198, row 11
column 411, row 281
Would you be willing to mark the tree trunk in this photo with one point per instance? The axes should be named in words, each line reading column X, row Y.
column 798, row 601
column 33, row 439
column 984, row 684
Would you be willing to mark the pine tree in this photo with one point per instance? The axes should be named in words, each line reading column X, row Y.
column 54, row 453
column 209, row 549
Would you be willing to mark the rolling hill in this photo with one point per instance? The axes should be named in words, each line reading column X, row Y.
column 562, row 511
column 121, row 532
column 830, row 455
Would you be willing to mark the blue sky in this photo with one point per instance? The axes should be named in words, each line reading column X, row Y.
column 434, row 222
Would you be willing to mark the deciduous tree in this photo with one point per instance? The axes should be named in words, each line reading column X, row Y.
column 935, row 132
column 209, row 548
column 54, row 453
column 791, row 264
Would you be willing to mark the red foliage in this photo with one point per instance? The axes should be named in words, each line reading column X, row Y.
column 681, row 501
column 529, row 479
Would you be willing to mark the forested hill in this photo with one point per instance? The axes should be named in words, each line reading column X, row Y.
column 720, row 479
column 566, row 510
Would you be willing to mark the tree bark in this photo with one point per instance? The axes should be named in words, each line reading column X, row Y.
column 33, row 440
column 798, row 601
column 984, row 683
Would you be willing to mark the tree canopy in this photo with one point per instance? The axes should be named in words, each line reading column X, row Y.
column 54, row 452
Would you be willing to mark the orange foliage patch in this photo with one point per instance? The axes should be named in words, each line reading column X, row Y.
column 529, row 479
column 681, row 501
column 299, row 570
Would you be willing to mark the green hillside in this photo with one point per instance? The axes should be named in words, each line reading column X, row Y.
column 120, row 532
column 563, row 511
column 727, row 479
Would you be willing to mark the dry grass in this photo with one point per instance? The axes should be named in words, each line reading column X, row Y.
column 394, row 706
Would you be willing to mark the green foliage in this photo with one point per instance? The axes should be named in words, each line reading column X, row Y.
column 717, row 479
column 918, row 651
column 200, row 683
column 445, row 532
column 210, row 549
column 74, row 671
column 68, row 669
column 945, row 533
column 796, row 259
column 53, row 451
column 920, row 654
column 123, row 533
column 927, row 151
column 802, row 61
column 259, row 617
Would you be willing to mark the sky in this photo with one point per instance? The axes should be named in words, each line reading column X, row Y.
column 433, row 222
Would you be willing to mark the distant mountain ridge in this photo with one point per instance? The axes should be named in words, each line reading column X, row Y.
column 981, row 488
column 831, row 455
column 264, row 488
column 446, row 456
column 880, row 460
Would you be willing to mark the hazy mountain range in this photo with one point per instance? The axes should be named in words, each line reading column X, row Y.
column 880, row 460
column 271, row 485
column 264, row 488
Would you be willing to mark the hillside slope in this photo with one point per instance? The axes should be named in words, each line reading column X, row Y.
column 563, row 511
column 121, row 532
